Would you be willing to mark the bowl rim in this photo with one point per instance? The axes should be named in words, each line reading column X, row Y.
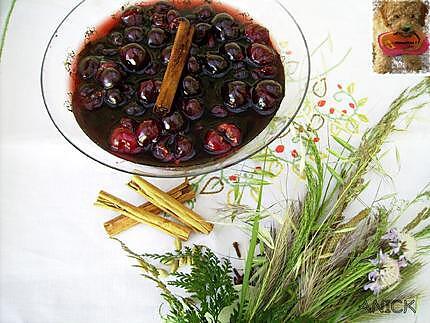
column 184, row 173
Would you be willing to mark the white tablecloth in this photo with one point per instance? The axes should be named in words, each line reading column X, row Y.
column 56, row 263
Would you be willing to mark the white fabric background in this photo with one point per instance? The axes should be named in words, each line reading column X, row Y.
column 56, row 264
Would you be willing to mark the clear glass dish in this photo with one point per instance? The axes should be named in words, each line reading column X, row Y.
column 82, row 19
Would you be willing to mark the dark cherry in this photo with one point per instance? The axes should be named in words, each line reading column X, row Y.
column 215, row 64
column 134, row 57
column 261, row 54
column 88, row 67
column 241, row 74
column 162, row 6
column 184, row 149
column 215, row 144
column 267, row 96
column 134, row 34
column 202, row 32
column 191, row 86
column 236, row 95
column 163, row 149
column 123, row 140
column 165, row 54
column 231, row 133
column 148, row 91
column 110, row 51
column 127, row 123
column 265, row 72
column 159, row 20
column 127, row 90
column 148, row 132
column 114, row 98
column 133, row 16
column 156, row 37
column 109, row 77
column 152, row 69
column 193, row 65
column 257, row 34
column 116, row 38
column 204, row 13
column 234, row 52
column 91, row 96
column 225, row 27
column 192, row 109
column 173, row 19
column 174, row 122
column 134, row 109
column 219, row 111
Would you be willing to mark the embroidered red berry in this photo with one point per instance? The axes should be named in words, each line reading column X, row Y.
column 316, row 139
column 294, row 153
column 280, row 149
column 352, row 105
column 258, row 168
column 331, row 110
column 344, row 111
column 233, row 178
column 321, row 103
column 339, row 87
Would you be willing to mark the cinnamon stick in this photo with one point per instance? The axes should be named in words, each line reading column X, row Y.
column 109, row 201
column 169, row 205
column 172, row 76
column 182, row 193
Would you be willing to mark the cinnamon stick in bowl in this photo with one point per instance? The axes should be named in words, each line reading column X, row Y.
column 172, row 76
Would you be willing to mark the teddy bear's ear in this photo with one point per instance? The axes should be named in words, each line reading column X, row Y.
column 423, row 14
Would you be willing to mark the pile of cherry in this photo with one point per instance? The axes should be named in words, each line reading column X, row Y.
column 122, row 72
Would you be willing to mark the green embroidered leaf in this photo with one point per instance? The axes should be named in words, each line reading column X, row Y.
column 350, row 88
column 362, row 102
column 362, row 117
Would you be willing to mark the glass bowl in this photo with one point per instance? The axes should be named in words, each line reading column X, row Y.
column 68, row 37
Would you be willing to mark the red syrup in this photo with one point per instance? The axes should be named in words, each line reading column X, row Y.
column 230, row 89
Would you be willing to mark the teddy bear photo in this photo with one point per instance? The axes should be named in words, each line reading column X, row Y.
column 400, row 43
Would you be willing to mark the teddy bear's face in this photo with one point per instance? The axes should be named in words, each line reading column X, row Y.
column 404, row 16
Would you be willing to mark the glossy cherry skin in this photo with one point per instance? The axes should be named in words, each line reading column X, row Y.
column 201, row 33
column 165, row 54
column 134, row 34
column 225, row 27
column 156, row 37
column 267, row 96
column 148, row 132
column 261, row 54
column 191, row 86
column 109, row 77
column 192, row 109
column 123, row 140
column 236, row 95
column 115, row 98
column 173, row 19
column 134, row 57
column 193, row 65
column 88, row 67
column 215, row 144
column 215, row 64
column 184, row 149
column 134, row 109
column 148, row 91
column 133, row 16
column 257, row 34
column 265, row 72
column 204, row 13
column 162, row 6
column 231, row 133
column 91, row 96
column 234, row 52
column 163, row 149
column 174, row 122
